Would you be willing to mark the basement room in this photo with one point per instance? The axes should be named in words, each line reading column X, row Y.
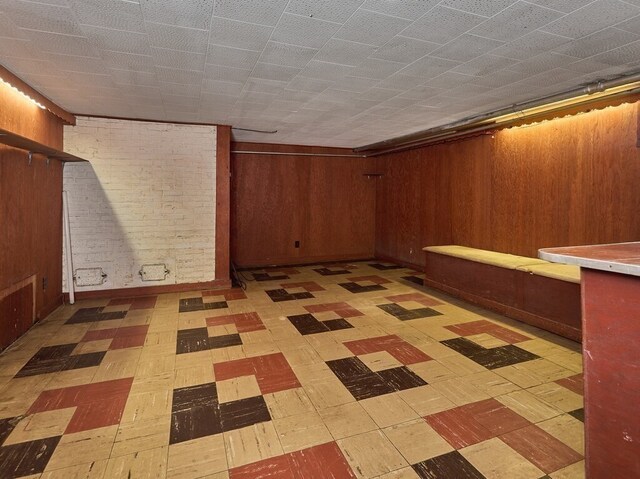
column 320, row 239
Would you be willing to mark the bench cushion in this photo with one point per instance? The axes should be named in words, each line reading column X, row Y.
column 502, row 260
column 563, row 272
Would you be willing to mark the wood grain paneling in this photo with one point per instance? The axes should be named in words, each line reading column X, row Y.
column 31, row 219
column 223, row 198
column 326, row 203
column 569, row 181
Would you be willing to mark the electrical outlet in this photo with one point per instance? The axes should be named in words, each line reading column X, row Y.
column 45, row 283
column 296, row 244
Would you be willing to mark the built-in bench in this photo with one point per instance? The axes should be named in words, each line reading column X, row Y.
column 535, row 291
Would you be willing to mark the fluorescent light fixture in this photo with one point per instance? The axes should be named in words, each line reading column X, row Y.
column 558, row 105
column 39, row 105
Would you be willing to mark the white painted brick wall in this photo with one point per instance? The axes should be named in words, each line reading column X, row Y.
column 147, row 196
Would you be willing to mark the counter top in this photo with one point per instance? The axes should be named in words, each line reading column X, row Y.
column 621, row 258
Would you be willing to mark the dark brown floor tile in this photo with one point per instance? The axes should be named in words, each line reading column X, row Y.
column 192, row 340
column 279, row 295
column 356, row 288
column 90, row 315
column 225, row 341
column 244, row 412
column 401, row 378
column 26, row 458
column 490, row 358
column 269, row 277
column 578, row 414
column 414, row 279
column 7, row 425
column 337, row 324
column 202, row 394
column 384, row 267
column 448, row 466
column 195, row 422
column 541, row 448
column 331, row 272
column 404, row 314
column 215, row 305
column 307, row 324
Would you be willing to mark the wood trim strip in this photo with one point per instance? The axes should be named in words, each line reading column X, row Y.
column 149, row 290
column 25, row 88
column 19, row 285
column 223, row 201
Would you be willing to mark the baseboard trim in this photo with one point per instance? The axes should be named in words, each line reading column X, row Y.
column 322, row 260
column 389, row 259
column 150, row 290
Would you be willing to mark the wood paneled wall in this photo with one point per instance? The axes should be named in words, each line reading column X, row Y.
column 568, row 181
column 326, row 203
column 31, row 219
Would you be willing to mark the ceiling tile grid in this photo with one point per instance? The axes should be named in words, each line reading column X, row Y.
column 323, row 72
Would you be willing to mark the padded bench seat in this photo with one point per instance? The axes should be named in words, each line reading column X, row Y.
column 535, row 291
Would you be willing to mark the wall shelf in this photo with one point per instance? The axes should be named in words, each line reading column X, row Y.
column 17, row 141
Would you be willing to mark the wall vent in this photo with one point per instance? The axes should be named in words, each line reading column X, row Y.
column 89, row 277
column 154, row 272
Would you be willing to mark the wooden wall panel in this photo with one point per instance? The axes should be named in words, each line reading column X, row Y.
column 31, row 219
column 324, row 202
column 563, row 182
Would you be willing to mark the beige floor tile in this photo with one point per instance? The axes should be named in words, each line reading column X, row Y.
column 142, row 435
column 417, row 441
column 491, row 383
column 371, row 454
column 558, row 396
column 301, row 431
column 460, row 391
column 149, row 464
column 40, row 425
column 290, row 402
column 574, row 471
column 83, row 448
column 302, row 356
column 91, row 470
column 197, row 458
column 147, row 405
column 567, row 429
column 259, row 349
column 432, row 371
column 251, row 444
column 486, row 340
column 18, row 394
column 529, row 406
column 426, row 400
column 193, row 375
column 92, row 346
column 388, row 410
column 222, row 355
column 191, row 360
column 460, row 365
column 327, row 393
column 495, row 460
column 404, row 473
column 237, row 388
column 74, row 377
column 380, row 361
column 533, row 373
column 347, row 420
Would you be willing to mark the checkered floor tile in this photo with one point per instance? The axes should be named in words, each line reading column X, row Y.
column 349, row 370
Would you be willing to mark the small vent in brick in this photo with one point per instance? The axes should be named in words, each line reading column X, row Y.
column 154, row 272
column 90, row 277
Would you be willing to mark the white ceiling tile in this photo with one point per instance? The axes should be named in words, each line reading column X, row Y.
column 442, row 25
column 331, row 11
column 287, row 55
column 325, row 71
column 222, row 88
column 128, row 61
column 222, row 73
column 401, row 81
column 309, row 84
column 191, row 14
column 516, row 21
column 484, row 65
column 38, row 16
column 303, row 31
column 627, row 54
column 479, row 7
column 122, row 15
column 172, row 75
column 178, row 59
column 409, row 9
column 589, row 19
column 232, row 57
column 260, row 12
column 421, row 93
column 267, row 71
column 541, row 63
column 404, row 49
column 374, row 68
column 78, row 63
column 531, row 45
column 231, row 33
column 371, row 27
column 429, row 67
column 132, row 77
column 173, row 37
column 466, row 47
column 356, row 84
column 566, row 6
column 378, row 94
column 599, row 42
column 265, row 86
column 344, row 52
column 59, row 43
column 450, row 80
column 632, row 25
column 116, row 40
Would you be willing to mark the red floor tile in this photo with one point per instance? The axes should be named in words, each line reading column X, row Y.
column 417, row 297
column 244, row 322
column 325, row 460
column 484, row 326
column 309, row 286
column 148, row 302
column 273, row 468
column 342, row 309
column 99, row 334
column 228, row 294
column 472, row 423
column 272, row 372
column 573, row 383
column 97, row 405
column 541, row 448
column 398, row 348
column 233, row 369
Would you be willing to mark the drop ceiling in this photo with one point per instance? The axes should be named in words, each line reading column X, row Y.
column 321, row 72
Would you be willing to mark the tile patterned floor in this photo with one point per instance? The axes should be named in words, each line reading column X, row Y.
column 346, row 370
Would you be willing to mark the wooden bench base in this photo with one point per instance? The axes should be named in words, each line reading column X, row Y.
column 547, row 303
